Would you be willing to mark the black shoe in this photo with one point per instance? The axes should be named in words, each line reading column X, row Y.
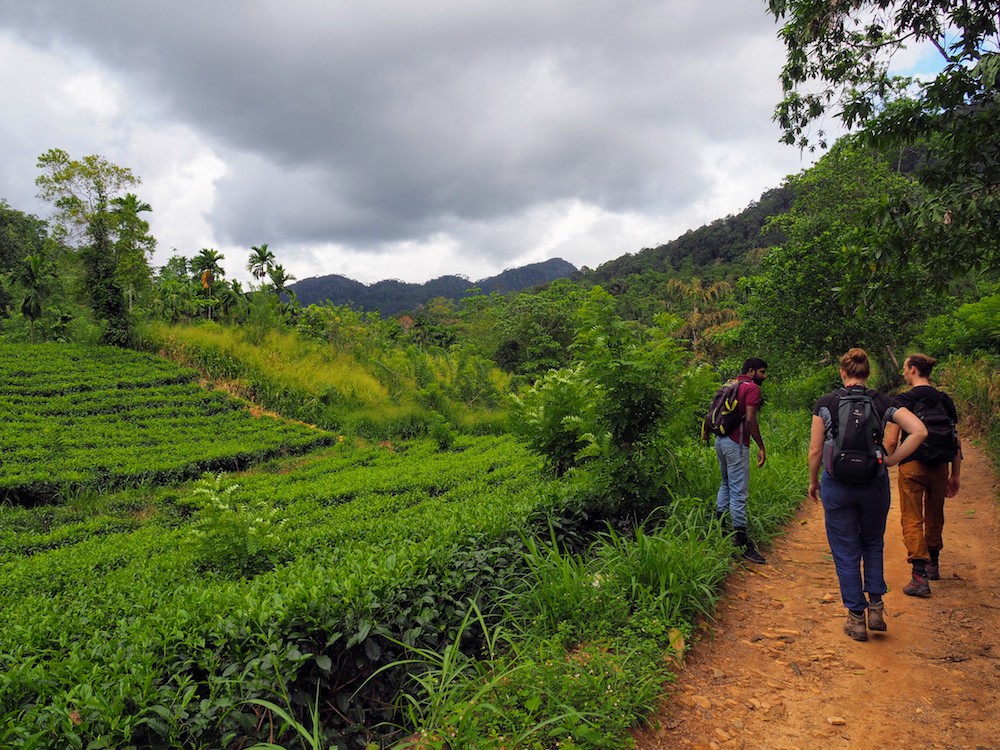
column 750, row 553
column 746, row 548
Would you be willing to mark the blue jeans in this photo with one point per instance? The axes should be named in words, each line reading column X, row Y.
column 855, row 527
column 734, row 463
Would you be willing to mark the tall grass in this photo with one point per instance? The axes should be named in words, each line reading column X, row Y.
column 974, row 384
column 395, row 394
column 280, row 360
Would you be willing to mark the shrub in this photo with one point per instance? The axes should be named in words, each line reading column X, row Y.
column 234, row 537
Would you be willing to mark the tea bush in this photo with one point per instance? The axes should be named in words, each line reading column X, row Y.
column 78, row 417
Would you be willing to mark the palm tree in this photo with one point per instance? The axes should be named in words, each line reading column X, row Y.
column 261, row 261
column 35, row 275
column 205, row 267
column 280, row 280
column 207, row 259
column 174, row 298
column 232, row 299
column 705, row 317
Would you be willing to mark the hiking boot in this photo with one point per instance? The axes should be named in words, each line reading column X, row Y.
column 918, row 586
column 750, row 553
column 855, row 626
column 933, row 574
column 747, row 549
column 876, row 619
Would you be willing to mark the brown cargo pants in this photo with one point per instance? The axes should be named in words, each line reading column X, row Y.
column 921, row 507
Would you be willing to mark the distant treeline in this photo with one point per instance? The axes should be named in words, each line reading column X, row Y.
column 391, row 297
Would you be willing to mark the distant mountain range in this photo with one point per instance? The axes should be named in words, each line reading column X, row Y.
column 393, row 297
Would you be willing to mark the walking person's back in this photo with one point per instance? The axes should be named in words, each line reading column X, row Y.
column 733, row 453
column 855, row 486
column 930, row 475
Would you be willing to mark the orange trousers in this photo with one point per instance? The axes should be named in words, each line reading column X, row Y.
column 921, row 507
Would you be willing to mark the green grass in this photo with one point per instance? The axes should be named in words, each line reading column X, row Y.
column 390, row 394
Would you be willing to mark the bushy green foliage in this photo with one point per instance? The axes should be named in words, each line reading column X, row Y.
column 974, row 384
column 524, row 334
column 828, row 287
column 233, row 536
column 556, row 419
column 973, row 327
column 617, row 409
column 793, row 390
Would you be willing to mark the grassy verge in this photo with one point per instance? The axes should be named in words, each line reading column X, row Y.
column 974, row 384
column 588, row 639
column 395, row 394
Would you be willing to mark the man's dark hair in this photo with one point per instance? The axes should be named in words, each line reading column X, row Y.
column 923, row 362
column 754, row 363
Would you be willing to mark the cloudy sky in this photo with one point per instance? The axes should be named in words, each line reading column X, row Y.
column 397, row 139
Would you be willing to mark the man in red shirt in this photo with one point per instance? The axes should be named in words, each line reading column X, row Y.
column 733, row 452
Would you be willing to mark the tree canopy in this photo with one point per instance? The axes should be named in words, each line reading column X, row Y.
column 838, row 61
column 817, row 294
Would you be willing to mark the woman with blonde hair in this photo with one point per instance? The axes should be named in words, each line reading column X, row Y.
column 854, row 488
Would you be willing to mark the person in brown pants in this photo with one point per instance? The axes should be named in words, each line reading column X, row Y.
column 932, row 474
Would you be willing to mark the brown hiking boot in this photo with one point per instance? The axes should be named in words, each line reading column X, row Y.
column 876, row 616
column 933, row 572
column 855, row 626
column 917, row 586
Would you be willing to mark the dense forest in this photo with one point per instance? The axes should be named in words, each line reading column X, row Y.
column 234, row 515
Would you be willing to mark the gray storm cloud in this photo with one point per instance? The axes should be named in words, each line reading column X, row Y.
column 362, row 124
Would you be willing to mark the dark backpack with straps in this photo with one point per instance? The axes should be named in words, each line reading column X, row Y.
column 941, row 444
column 724, row 413
column 855, row 454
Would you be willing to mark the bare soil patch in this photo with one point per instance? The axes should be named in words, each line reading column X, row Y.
column 776, row 672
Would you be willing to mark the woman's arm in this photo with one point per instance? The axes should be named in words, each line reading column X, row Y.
column 916, row 433
column 891, row 437
column 817, row 433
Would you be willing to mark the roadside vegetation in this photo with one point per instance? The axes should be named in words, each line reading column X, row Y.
column 230, row 520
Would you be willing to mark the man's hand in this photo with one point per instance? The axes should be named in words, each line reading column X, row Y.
column 761, row 456
column 953, row 486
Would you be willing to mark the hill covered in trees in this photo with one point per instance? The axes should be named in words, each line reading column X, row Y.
column 393, row 296
column 723, row 241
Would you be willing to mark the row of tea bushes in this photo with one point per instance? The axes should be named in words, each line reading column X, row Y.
column 53, row 369
column 135, row 637
column 73, row 418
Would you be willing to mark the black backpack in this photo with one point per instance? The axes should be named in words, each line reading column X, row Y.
column 855, row 452
column 941, row 444
column 724, row 414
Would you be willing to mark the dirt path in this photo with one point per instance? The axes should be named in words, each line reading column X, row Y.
column 776, row 672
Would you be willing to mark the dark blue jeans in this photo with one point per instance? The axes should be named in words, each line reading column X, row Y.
column 855, row 527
